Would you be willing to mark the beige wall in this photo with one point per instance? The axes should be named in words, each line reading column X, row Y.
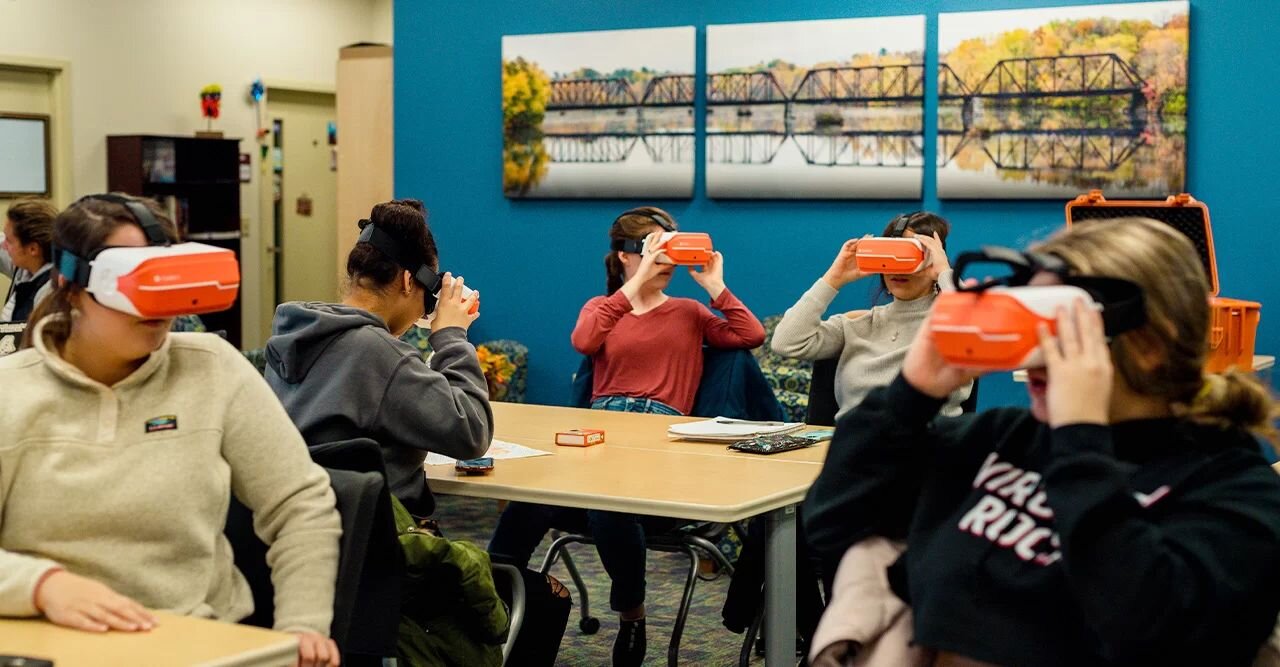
column 383, row 21
column 137, row 66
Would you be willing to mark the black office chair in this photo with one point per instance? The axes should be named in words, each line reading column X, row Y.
column 372, row 599
column 695, row 543
column 822, row 395
column 366, row 596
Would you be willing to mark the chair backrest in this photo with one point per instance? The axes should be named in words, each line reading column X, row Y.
column 366, row 603
column 368, row 594
column 822, row 394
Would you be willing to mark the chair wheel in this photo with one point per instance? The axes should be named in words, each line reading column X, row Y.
column 589, row 626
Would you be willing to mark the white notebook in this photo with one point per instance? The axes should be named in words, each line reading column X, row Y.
column 722, row 429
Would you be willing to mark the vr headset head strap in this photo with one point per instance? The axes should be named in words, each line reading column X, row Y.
column 76, row 269
column 141, row 214
column 636, row 246
column 389, row 246
column 898, row 226
column 1124, row 306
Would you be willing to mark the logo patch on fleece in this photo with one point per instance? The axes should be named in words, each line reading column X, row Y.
column 164, row 423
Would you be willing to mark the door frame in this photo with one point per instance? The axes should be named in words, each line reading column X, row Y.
column 266, row 204
column 59, row 71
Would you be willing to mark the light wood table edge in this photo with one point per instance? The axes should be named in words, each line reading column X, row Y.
column 277, row 655
column 715, row 513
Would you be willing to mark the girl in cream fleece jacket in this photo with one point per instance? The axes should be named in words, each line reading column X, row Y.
column 122, row 445
column 870, row 344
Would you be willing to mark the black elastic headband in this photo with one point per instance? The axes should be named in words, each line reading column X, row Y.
column 397, row 251
column 636, row 246
column 141, row 215
column 76, row 269
column 1123, row 303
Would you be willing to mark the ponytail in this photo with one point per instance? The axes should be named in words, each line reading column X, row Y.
column 1234, row 400
column 615, row 273
column 56, row 304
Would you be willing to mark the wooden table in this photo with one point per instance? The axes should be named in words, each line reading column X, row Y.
column 640, row 471
column 176, row 640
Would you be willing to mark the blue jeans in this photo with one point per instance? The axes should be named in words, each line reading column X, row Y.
column 620, row 538
column 628, row 404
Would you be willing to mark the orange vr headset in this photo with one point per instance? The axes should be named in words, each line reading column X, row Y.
column 893, row 253
column 683, row 248
column 884, row 254
column 161, row 279
column 992, row 325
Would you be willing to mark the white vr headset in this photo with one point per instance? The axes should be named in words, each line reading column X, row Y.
column 157, row 280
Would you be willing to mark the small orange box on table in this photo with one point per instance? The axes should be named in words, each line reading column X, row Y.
column 580, row 437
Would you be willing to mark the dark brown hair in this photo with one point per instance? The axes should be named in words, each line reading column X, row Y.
column 404, row 220
column 1164, row 263
column 33, row 223
column 632, row 225
column 82, row 229
column 921, row 223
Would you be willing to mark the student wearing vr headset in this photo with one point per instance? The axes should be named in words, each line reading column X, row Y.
column 1126, row 518
column 870, row 344
column 646, row 349
column 25, row 257
column 342, row 373
column 123, row 444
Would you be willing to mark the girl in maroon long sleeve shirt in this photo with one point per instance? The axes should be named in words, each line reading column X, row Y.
column 646, row 351
column 646, row 345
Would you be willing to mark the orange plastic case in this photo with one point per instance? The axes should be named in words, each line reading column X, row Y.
column 891, row 255
column 1234, row 327
column 687, row 248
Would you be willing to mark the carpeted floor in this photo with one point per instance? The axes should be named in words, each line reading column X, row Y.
column 706, row 643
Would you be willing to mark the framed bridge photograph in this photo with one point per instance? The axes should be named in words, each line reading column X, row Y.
column 1050, row 103
column 606, row 114
column 829, row 109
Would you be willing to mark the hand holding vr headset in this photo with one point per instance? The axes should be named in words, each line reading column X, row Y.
column 888, row 255
column 456, row 304
column 1039, row 316
column 660, row 250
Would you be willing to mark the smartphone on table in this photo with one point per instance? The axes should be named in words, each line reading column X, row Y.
column 479, row 466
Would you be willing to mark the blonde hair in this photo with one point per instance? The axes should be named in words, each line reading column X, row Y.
column 1168, row 269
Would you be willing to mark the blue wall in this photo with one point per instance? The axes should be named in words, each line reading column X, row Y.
column 536, row 262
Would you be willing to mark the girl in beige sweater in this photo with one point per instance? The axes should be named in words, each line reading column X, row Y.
column 120, row 449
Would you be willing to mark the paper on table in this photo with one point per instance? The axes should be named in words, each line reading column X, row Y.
column 717, row 429
column 498, row 450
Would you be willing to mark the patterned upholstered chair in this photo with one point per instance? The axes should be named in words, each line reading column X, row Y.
column 789, row 378
column 516, row 352
column 417, row 337
column 188, row 323
column 257, row 357
column 519, row 356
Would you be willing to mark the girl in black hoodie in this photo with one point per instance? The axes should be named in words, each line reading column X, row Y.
column 1127, row 518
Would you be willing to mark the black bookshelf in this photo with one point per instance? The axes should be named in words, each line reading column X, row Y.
column 198, row 181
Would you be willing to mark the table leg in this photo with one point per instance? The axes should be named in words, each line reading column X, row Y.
column 780, row 588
